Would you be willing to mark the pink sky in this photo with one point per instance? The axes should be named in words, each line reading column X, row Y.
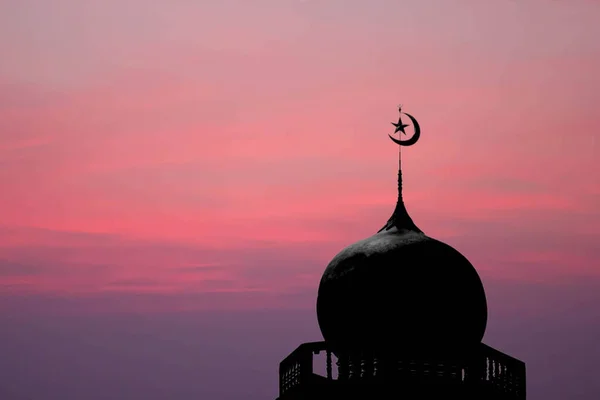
column 175, row 176
column 177, row 147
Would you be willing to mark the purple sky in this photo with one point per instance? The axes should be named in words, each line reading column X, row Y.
column 176, row 175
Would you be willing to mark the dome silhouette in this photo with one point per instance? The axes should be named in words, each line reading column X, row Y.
column 400, row 290
column 403, row 316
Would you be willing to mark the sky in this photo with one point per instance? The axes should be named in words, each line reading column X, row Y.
column 176, row 175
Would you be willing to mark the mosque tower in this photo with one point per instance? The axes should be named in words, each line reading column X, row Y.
column 403, row 316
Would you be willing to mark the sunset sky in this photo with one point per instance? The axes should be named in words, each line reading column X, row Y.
column 183, row 171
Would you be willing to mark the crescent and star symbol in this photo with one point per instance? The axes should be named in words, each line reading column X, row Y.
column 400, row 128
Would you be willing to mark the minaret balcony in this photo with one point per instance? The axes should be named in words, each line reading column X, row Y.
column 485, row 374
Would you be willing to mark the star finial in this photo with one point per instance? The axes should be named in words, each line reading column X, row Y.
column 399, row 125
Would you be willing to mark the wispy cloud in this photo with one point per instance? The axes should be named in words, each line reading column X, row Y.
column 195, row 156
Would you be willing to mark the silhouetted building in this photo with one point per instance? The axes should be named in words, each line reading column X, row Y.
column 403, row 315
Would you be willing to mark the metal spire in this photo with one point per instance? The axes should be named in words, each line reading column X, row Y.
column 400, row 218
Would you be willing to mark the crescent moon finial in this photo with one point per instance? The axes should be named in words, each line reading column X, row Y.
column 400, row 218
column 400, row 128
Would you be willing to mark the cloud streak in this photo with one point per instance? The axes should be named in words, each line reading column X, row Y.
column 200, row 157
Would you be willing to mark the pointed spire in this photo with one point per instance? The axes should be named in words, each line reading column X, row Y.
column 400, row 218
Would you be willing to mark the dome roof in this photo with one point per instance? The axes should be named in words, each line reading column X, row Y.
column 400, row 290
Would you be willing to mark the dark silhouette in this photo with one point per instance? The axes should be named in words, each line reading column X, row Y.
column 400, row 128
column 399, row 125
column 404, row 314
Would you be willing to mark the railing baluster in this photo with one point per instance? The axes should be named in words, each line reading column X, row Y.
column 498, row 372
column 343, row 367
column 329, row 374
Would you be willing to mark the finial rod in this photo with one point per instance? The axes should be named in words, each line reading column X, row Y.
column 400, row 218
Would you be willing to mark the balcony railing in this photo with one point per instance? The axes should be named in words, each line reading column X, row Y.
column 486, row 371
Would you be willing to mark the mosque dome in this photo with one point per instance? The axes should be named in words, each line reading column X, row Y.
column 401, row 290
